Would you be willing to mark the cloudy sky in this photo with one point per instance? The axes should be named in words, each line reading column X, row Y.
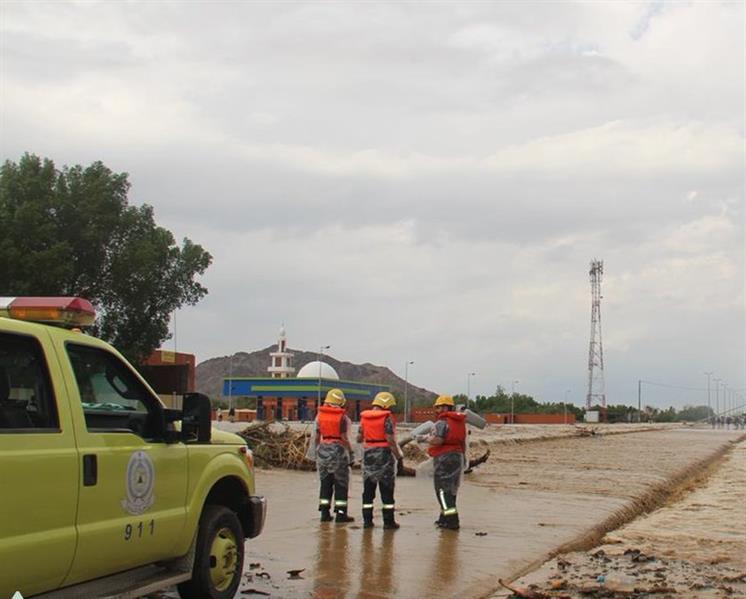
column 422, row 181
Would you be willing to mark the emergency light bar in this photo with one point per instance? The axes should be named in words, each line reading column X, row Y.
column 62, row 311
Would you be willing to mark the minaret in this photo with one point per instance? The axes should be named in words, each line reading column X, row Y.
column 281, row 360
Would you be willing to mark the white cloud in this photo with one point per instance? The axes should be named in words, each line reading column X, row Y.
column 629, row 148
column 424, row 181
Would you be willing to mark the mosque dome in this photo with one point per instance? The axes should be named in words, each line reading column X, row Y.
column 312, row 370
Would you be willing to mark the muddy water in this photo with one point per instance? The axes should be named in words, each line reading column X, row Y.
column 707, row 525
column 528, row 500
column 695, row 545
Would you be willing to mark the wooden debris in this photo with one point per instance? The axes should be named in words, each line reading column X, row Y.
column 278, row 448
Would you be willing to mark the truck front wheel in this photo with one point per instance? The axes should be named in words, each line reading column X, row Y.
column 218, row 561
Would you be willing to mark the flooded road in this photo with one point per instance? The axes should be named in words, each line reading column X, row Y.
column 694, row 545
column 526, row 501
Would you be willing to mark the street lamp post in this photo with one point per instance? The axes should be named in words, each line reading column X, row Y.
column 709, row 407
column 230, row 383
column 406, row 379
column 717, row 397
column 564, row 404
column 468, row 386
column 512, row 398
column 321, row 354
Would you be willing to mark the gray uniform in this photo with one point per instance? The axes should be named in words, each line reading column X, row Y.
column 379, row 464
column 333, row 465
column 447, row 467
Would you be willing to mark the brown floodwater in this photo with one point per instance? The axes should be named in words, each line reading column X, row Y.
column 526, row 501
column 695, row 544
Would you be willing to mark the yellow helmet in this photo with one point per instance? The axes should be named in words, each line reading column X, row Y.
column 385, row 400
column 444, row 400
column 336, row 398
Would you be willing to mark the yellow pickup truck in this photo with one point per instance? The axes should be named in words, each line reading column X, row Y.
column 104, row 492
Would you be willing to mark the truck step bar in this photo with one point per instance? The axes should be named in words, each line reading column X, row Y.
column 125, row 585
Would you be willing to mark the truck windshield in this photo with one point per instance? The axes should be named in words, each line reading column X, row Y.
column 114, row 399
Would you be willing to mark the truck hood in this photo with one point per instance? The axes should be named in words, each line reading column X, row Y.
column 225, row 438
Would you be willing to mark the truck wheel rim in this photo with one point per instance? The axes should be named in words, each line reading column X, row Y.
column 223, row 559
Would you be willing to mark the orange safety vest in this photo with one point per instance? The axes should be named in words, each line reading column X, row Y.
column 330, row 423
column 374, row 431
column 455, row 438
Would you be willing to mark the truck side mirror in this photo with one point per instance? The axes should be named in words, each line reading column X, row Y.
column 195, row 421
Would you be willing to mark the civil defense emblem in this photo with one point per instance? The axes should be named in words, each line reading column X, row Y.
column 140, row 482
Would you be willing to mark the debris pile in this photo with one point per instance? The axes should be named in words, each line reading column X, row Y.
column 630, row 573
column 282, row 448
column 414, row 453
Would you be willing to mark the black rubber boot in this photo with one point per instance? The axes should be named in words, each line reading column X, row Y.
column 325, row 515
column 450, row 522
column 439, row 522
column 342, row 517
column 388, row 520
column 367, row 517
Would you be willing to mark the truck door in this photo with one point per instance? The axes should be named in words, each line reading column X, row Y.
column 38, row 467
column 132, row 506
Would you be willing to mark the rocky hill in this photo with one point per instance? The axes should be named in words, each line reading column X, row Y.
column 209, row 374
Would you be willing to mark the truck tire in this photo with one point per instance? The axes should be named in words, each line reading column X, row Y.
column 218, row 560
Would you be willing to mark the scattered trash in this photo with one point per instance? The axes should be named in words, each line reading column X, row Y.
column 293, row 574
column 480, row 534
column 254, row 565
column 254, row 592
column 264, row 575
column 523, row 593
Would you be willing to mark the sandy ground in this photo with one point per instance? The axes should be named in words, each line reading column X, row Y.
column 519, row 509
column 694, row 546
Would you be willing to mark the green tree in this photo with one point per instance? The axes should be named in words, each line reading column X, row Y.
column 694, row 413
column 500, row 403
column 621, row 413
column 72, row 232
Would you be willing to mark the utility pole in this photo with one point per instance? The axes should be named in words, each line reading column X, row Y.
column 468, row 386
column 406, row 401
column 709, row 407
column 564, row 405
column 639, row 401
column 321, row 355
column 512, row 397
column 717, row 397
column 596, row 393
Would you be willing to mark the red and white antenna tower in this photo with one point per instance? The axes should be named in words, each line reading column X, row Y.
column 596, row 393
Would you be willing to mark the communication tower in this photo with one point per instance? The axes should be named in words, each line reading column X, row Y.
column 596, row 393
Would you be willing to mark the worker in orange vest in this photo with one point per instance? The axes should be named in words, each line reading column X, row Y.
column 333, row 456
column 380, row 454
column 447, row 447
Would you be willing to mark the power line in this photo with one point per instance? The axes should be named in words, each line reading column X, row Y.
column 674, row 386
